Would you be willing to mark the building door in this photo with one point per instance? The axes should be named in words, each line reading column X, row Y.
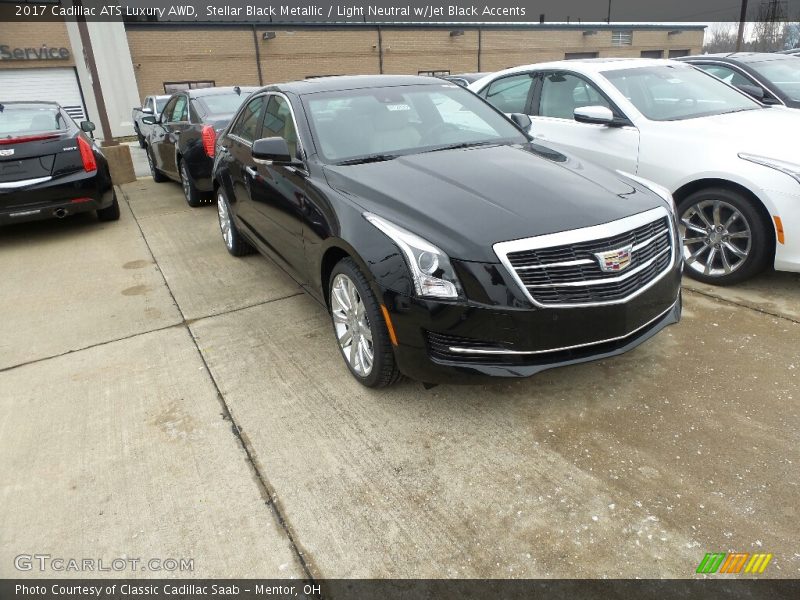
column 52, row 85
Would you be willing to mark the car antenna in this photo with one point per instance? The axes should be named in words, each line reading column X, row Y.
column 238, row 90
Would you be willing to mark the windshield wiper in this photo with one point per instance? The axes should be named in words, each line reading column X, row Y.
column 461, row 145
column 368, row 159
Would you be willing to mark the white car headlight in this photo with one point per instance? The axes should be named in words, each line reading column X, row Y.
column 430, row 268
column 653, row 187
column 791, row 169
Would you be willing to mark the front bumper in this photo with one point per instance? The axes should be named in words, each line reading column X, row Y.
column 462, row 343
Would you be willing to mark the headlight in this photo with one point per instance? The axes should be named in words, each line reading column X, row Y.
column 430, row 267
column 653, row 187
column 791, row 169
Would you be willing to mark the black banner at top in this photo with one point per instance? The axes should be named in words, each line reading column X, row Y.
column 378, row 11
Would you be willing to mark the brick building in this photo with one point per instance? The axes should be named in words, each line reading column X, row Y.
column 163, row 58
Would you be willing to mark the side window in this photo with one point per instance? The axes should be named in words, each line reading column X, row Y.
column 726, row 74
column 278, row 122
column 562, row 93
column 166, row 114
column 246, row 126
column 510, row 94
column 180, row 112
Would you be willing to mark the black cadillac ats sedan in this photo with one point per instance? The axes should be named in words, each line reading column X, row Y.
column 50, row 167
column 446, row 245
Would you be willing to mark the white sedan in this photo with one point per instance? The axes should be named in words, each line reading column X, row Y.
column 731, row 163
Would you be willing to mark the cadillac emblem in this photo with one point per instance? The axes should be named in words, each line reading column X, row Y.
column 9, row 152
column 615, row 260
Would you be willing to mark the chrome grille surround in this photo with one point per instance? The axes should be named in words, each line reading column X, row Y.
column 563, row 264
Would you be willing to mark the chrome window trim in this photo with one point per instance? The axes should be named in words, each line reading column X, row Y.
column 738, row 69
column 10, row 185
column 588, row 234
column 459, row 350
column 300, row 145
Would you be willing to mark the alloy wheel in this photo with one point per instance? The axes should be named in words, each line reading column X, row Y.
column 224, row 221
column 185, row 184
column 352, row 325
column 717, row 238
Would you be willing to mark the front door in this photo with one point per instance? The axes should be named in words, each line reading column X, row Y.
column 559, row 94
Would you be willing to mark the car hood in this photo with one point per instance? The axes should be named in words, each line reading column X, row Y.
column 466, row 200
column 770, row 132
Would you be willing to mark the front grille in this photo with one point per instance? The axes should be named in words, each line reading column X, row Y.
column 559, row 274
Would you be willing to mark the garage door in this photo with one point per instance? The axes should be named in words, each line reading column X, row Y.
column 55, row 85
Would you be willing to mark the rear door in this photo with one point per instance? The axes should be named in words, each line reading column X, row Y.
column 237, row 144
column 559, row 94
column 177, row 121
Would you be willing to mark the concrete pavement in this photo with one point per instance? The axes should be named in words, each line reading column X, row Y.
column 228, row 429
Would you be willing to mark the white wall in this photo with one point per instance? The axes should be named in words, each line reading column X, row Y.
column 115, row 71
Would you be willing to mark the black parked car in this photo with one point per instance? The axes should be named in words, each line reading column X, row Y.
column 443, row 241
column 771, row 78
column 50, row 167
column 180, row 145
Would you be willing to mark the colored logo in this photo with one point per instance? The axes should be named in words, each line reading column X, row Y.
column 734, row 562
column 615, row 260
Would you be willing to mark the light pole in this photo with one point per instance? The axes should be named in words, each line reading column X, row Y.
column 742, row 19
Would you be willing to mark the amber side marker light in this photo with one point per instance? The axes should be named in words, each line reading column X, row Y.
column 389, row 326
column 779, row 229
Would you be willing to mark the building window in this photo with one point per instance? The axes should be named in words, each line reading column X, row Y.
column 677, row 53
column 652, row 54
column 621, row 37
column 433, row 73
column 580, row 55
column 170, row 87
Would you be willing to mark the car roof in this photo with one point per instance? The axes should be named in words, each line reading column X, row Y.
column 741, row 57
column 351, row 82
column 585, row 66
column 217, row 91
column 36, row 102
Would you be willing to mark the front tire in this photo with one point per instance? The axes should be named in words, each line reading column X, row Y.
column 359, row 327
column 142, row 142
column 234, row 242
column 726, row 239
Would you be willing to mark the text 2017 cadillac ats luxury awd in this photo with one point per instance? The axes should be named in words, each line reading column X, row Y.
column 445, row 244
column 49, row 167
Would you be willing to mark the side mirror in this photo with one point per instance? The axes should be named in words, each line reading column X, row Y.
column 87, row 126
column 522, row 121
column 147, row 110
column 594, row 115
column 754, row 91
column 149, row 120
column 273, row 149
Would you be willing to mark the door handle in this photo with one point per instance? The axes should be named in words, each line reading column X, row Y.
column 251, row 171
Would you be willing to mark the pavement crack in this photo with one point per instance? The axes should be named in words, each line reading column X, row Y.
column 267, row 491
column 742, row 305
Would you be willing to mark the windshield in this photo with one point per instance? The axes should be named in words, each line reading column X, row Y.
column 221, row 104
column 18, row 119
column 783, row 73
column 399, row 120
column 161, row 103
column 673, row 92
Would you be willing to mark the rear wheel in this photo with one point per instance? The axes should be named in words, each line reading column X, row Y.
column 142, row 143
column 158, row 176
column 359, row 327
column 726, row 239
column 234, row 242
column 189, row 190
column 110, row 213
